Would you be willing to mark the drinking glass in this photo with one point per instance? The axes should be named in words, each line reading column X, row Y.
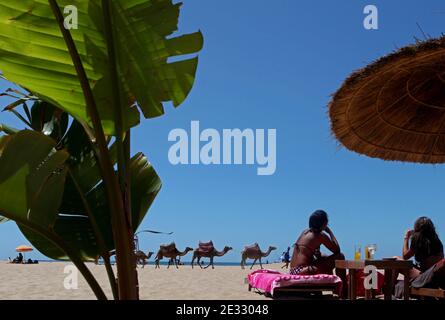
column 372, row 249
column 357, row 252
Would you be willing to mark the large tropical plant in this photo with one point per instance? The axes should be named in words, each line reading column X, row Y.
column 114, row 64
column 69, row 219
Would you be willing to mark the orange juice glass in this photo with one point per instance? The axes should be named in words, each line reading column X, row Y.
column 357, row 253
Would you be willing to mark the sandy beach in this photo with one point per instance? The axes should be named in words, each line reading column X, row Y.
column 46, row 281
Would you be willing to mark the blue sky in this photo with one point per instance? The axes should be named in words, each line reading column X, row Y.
column 274, row 64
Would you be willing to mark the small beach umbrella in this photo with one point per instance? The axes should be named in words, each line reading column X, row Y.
column 394, row 108
column 24, row 248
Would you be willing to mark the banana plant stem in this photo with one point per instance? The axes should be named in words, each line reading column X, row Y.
column 124, row 253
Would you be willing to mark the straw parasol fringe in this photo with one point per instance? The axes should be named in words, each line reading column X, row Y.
column 394, row 109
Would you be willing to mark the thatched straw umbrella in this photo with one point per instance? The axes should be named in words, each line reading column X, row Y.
column 394, row 109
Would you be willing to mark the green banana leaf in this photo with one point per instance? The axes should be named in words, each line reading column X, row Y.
column 74, row 226
column 33, row 54
column 7, row 129
column 145, row 185
column 49, row 120
column 3, row 140
column 72, row 223
column 32, row 175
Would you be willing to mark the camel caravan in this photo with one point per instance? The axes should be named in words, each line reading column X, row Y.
column 204, row 250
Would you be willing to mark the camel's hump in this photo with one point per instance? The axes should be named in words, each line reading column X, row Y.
column 170, row 245
column 252, row 246
column 206, row 244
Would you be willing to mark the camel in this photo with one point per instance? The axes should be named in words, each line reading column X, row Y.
column 141, row 257
column 207, row 250
column 254, row 252
column 170, row 251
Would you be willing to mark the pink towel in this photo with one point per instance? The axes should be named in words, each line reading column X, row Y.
column 269, row 280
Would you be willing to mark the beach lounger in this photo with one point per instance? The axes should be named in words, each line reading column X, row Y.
column 272, row 283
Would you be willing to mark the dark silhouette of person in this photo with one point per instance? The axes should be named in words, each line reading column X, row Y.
column 18, row 259
column 286, row 258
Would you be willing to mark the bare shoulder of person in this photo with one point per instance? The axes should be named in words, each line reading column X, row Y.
column 303, row 234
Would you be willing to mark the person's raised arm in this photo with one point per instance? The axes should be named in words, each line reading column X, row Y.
column 329, row 241
column 407, row 252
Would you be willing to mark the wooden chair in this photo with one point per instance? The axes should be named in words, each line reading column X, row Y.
column 423, row 293
column 439, row 272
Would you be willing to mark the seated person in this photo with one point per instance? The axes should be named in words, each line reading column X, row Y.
column 307, row 259
column 18, row 259
column 424, row 245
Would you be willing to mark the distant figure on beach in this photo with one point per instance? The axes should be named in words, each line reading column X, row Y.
column 424, row 245
column 18, row 259
column 307, row 258
column 286, row 258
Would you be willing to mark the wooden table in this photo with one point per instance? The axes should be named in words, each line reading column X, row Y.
column 389, row 266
